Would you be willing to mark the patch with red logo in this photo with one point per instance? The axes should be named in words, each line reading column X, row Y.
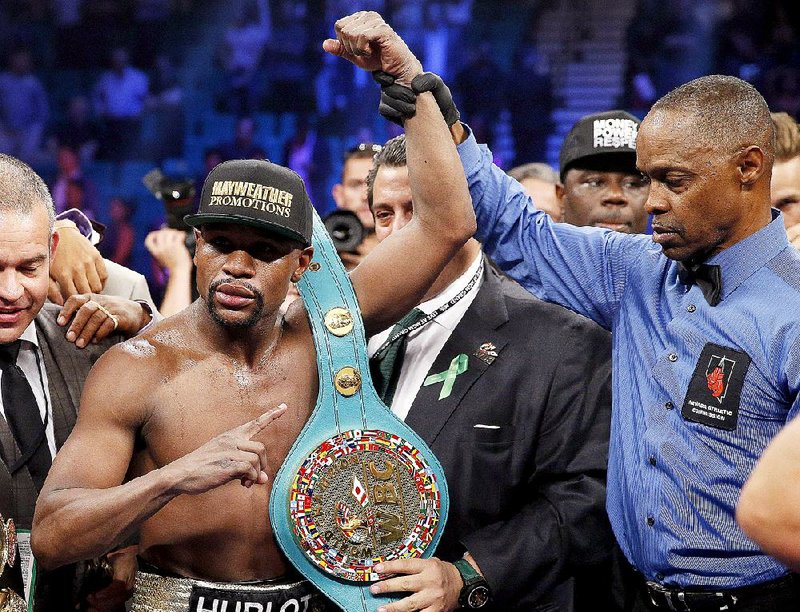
column 716, row 387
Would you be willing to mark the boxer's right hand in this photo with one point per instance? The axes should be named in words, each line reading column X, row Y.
column 232, row 455
column 366, row 40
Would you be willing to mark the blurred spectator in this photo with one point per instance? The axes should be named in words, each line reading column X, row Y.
column 480, row 87
column 69, row 43
column 782, row 89
column 23, row 108
column 240, row 55
column 151, row 18
column 70, row 170
column 307, row 154
column 292, row 57
column 530, row 103
column 212, row 157
column 242, row 146
column 119, row 97
column 785, row 185
column 742, row 36
column 351, row 195
column 76, row 198
column 539, row 181
column 78, row 130
column 165, row 102
column 671, row 43
column 119, row 236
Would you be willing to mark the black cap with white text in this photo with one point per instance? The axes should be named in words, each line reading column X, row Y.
column 609, row 133
column 258, row 194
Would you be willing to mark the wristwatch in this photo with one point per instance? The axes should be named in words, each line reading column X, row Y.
column 475, row 593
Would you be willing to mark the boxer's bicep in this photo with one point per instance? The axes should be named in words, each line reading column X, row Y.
column 113, row 408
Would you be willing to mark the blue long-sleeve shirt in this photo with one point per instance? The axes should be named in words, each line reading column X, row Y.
column 698, row 391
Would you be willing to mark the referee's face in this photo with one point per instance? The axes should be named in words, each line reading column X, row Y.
column 26, row 248
column 696, row 197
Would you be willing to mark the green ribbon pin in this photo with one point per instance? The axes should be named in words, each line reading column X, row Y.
column 448, row 377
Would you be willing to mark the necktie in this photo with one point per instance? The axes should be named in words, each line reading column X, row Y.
column 22, row 415
column 706, row 276
column 385, row 367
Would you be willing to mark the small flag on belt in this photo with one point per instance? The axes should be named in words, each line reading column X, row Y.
column 359, row 492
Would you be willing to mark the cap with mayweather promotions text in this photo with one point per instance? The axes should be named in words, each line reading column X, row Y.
column 258, row 194
column 609, row 133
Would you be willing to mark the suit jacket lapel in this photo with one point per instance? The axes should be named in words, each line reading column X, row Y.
column 64, row 397
column 486, row 314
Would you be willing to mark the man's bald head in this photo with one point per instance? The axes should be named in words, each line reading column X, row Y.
column 723, row 110
column 22, row 190
column 708, row 149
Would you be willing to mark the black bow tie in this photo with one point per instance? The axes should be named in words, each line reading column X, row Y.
column 707, row 277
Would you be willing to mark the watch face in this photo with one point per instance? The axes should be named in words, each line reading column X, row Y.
column 478, row 597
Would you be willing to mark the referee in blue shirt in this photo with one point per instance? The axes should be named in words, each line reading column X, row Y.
column 706, row 338
column 706, row 335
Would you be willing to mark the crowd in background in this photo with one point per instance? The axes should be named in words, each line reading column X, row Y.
column 95, row 92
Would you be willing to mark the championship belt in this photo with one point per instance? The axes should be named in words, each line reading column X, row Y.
column 358, row 486
column 12, row 592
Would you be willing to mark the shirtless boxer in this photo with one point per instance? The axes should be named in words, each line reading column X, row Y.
column 179, row 436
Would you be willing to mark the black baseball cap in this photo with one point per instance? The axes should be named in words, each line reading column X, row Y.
column 259, row 194
column 609, row 133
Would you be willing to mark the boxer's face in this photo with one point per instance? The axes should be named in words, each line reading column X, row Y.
column 26, row 248
column 244, row 273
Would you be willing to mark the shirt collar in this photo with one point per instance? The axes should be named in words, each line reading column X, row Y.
column 450, row 292
column 740, row 261
column 29, row 335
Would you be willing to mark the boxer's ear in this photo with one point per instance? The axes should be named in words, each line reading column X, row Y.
column 305, row 260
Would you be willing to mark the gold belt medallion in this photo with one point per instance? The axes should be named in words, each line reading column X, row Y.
column 363, row 497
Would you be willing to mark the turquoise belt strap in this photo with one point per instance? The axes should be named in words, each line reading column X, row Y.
column 358, row 486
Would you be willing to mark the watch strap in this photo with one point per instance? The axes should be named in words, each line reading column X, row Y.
column 468, row 573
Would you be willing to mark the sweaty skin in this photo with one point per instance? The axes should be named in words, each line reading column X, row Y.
column 192, row 392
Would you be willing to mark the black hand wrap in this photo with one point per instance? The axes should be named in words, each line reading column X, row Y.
column 398, row 103
column 428, row 81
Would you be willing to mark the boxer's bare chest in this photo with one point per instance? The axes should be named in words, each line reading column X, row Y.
column 206, row 395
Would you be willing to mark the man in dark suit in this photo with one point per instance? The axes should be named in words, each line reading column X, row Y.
column 43, row 363
column 512, row 394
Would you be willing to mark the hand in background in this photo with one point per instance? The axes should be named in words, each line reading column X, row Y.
column 168, row 248
column 96, row 316
column 77, row 266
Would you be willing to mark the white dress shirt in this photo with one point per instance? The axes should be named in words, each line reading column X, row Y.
column 31, row 363
column 425, row 343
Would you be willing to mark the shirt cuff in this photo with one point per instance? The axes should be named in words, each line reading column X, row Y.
column 470, row 152
column 80, row 220
column 155, row 316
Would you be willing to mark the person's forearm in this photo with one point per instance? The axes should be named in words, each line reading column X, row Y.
column 438, row 185
column 178, row 293
column 767, row 509
column 75, row 524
